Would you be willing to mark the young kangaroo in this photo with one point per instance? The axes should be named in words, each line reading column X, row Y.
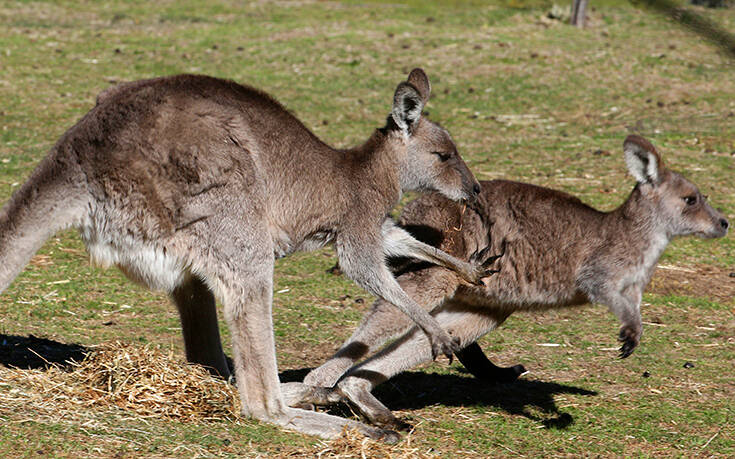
column 558, row 252
column 194, row 185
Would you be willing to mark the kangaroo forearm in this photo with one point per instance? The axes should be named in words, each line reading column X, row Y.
column 393, row 294
column 363, row 261
column 441, row 341
column 399, row 243
column 431, row 254
column 384, row 321
column 626, row 306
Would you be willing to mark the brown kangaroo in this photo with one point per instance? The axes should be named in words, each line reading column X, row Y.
column 558, row 252
column 194, row 185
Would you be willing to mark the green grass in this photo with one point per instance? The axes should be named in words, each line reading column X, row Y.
column 525, row 98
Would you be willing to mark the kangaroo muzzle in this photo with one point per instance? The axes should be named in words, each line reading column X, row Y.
column 723, row 226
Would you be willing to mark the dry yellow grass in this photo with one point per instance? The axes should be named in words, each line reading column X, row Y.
column 148, row 381
column 353, row 444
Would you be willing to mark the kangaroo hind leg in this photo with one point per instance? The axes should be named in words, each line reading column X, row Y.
column 408, row 351
column 477, row 363
column 429, row 287
column 238, row 265
column 248, row 313
column 198, row 313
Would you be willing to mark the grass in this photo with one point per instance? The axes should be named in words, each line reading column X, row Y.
column 525, row 97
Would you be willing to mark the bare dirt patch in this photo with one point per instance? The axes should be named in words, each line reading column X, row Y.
column 703, row 281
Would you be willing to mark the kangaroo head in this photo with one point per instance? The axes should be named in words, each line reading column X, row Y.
column 680, row 207
column 428, row 160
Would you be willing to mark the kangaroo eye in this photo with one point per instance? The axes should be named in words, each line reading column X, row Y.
column 442, row 156
column 690, row 200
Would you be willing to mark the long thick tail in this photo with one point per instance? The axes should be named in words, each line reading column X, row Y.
column 51, row 199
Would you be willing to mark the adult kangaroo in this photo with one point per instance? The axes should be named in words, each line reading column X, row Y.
column 558, row 252
column 194, row 185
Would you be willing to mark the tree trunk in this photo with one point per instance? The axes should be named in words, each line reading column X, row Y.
column 579, row 13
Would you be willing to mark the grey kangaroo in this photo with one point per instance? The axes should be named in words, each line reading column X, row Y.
column 194, row 185
column 558, row 252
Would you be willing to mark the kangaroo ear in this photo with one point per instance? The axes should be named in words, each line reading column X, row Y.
column 407, row 106
column 643, row 161
column 420, row 81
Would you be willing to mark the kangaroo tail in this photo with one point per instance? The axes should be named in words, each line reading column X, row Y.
column 50, row 200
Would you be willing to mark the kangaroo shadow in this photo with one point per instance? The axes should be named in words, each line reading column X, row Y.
column 532, row 399
column 524, row 397
column 33, row 353
column 30, row 352
column 406, row 391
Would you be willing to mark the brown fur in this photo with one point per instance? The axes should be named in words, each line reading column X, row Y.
column 193, row 185
column 557, row 252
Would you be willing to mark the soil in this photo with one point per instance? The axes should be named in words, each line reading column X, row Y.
column 696, row 281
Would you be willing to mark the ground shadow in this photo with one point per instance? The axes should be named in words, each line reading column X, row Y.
column 294, row 375
column 529, row 398
column 30, row 352
column 524, row 397
column 697, row 23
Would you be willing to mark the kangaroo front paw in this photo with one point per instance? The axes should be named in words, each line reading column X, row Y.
column 444, row 343
column 482, row 265
column 630, row 336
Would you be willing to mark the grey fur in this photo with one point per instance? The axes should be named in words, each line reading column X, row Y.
column 558, row 252
column 194, row 185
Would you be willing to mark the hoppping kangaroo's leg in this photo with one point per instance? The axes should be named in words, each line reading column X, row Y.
column 477, row 363
column 362, row 259
column 399, row 243
column 407, row 352
column 198, row 314
column 429, row 287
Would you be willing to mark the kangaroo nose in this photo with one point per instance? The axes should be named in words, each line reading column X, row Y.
column 724, row 223
column 476, row 188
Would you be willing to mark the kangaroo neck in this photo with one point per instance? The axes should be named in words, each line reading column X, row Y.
column 375, row 164
column 336, row 191
column 636, row 220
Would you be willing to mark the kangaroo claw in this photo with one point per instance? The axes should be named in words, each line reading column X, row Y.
column 630, row 336
column 445, row 346
column 483, row 262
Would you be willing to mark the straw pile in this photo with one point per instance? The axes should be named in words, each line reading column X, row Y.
column 145, row 380
column 151, row 382
column 353, row 445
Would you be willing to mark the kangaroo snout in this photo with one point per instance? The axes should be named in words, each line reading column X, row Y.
column 472, row 193
column 710, row 224
column 476, row 189
column 718, row 225
column 723, row 226
column 470, row 186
